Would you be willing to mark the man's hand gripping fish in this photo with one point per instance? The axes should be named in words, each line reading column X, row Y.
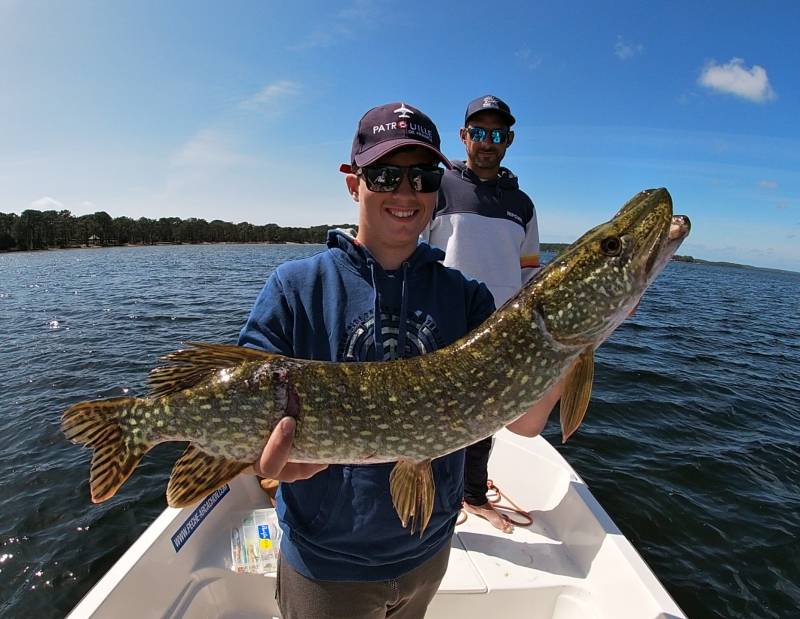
column 225, row 400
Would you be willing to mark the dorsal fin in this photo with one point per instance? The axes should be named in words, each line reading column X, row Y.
column 187, row 367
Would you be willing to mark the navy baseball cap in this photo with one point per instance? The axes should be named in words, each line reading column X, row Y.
column 489, row 103
column 391, row 126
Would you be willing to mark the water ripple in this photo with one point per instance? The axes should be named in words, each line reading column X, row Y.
column 692, row 440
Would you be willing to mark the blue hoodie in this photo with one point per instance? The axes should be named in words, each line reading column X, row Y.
column 340, row 524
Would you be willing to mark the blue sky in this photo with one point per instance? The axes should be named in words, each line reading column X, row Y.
column 243, row 111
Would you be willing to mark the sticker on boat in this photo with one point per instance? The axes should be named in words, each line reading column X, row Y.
column 191, row 524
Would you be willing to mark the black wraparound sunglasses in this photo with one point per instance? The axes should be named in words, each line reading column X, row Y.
column 384, row 178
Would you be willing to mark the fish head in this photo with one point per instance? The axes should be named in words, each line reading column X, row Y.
column 595, row 284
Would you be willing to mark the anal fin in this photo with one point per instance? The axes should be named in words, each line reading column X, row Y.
column 197, row 474
column 412, row 489
column 576, row 395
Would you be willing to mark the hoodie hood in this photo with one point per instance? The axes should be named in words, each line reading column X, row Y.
column 506, row 179
column 358, row 257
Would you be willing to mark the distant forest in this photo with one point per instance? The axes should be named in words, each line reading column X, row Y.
column 60, row 229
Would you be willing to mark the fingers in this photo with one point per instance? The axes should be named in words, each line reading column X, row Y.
column 276, row 451
column 273, row 462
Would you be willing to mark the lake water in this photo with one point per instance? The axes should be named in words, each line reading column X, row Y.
column 692, row 440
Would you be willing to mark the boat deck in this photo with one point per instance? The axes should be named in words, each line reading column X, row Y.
column 571, row 563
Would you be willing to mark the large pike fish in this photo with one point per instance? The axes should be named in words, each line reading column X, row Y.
column 225, row 400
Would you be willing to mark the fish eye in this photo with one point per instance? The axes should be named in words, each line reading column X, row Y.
column 611, row 246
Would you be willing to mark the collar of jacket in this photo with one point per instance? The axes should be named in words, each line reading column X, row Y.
column 506, row 179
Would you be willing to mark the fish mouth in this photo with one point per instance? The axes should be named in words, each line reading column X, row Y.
column 679, row 228
column 678, row 231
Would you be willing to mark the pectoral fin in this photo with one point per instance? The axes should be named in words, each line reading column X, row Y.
column 412, row 490
column 197, row 474
column 577, row 391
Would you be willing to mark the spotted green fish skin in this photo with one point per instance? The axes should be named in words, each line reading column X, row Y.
column 411, row 409
column 228, row 414
column 431, row 405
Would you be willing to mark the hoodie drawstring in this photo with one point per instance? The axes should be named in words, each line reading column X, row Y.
column 378, row 322
column 401, row 335
column 376, row 300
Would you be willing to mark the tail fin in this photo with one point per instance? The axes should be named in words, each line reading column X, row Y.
column 96, row 424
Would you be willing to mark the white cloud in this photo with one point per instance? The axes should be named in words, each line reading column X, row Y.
column 528, row 58
column 219, row 149
column 10, row 5
column 47, row 203
column 323, row 37
column 344, row 25
column 271, row 97
column 766, row 184
column 219, row 146
column 624, row 49
column 736, row 79
column 208, row 148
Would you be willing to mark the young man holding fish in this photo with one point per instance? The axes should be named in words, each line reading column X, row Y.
column 487, row 227
column 347, row 550
column 376, row 297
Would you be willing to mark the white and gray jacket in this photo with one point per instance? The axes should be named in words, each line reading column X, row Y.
column 487, row 229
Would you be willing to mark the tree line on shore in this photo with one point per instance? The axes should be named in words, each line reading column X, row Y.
column 35, row 229
column 60, row 229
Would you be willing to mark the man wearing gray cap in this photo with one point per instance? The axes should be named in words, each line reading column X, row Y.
column 487, row 227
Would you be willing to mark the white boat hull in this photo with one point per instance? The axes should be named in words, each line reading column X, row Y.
column 572, row 563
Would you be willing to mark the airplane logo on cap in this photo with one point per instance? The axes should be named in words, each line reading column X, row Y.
column 403, row 111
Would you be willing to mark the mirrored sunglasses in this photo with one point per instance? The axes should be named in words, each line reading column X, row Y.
column 478, row 134
column 383, row 178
